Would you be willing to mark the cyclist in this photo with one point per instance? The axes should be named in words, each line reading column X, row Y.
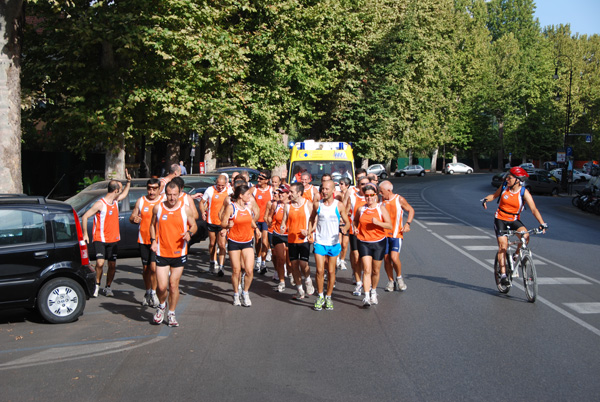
column 513, row 197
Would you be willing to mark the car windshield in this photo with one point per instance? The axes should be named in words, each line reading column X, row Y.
column 337, row 170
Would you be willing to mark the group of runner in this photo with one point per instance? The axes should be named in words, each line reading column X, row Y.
column 270, row 218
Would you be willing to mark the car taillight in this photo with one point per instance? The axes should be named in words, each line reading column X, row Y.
column 83, row 250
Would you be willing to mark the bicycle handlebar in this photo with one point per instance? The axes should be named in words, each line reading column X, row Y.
column 538, row 230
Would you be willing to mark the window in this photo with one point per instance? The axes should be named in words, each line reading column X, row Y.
column 64, row 228
column 21, row 227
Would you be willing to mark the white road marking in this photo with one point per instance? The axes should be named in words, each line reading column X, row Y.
column 584, row 308
column 433, row 217
column 466, row 237
column 436, row 223
column 562, row 281
column 481, row 248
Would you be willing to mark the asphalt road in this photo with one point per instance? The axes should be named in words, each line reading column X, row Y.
column 449, row 336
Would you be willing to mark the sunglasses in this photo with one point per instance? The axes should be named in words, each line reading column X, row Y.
column 370, row 195
column 262, row 178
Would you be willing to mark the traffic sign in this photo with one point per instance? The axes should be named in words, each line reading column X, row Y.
column 588, row 138
column 569, row 151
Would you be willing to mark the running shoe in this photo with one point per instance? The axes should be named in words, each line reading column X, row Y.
column 172, row 320
column 374, row 297
column 146, row 300
column 263, row 268
column 281, row 287
column 310, row 289
column 108, row 292
column 276, row 277
column 358, row 289
column 367, row 301
column 299, row 294
column 328, row 304
column 246, row 300
column 220, row 272
column 390, row 286
column 257, row 266
column 319, row 303
column 343, row 266
column 269, row 256
column 159, row 316
column 96, row 290
column 155, row 301
column 292, row 281
column 400, row 284
column 236, row 300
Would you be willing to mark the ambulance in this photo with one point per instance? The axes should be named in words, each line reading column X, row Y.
column 318, row 158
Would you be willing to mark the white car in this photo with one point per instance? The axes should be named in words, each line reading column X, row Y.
column 452, row 168
column 584, row 176
column 377, row 169
column 577, row 175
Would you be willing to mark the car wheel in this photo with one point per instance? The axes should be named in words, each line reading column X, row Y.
column 469, row 171
column 422, row 174
column 61, row 300
column 402, row 174
column 554, row 191
column 384, row 176
column 450, row 171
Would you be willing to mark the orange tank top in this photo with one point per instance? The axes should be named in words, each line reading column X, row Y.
column 278, row 218
column 145, row 206
column 262, row 198
column 297, row 221
column 171, row 225
column 356, row 203
column 367, row 230
column 214, row 200
column 308, row 193
column 106, row 223
column 241, row 231
column 510, row 207
column 396, row 212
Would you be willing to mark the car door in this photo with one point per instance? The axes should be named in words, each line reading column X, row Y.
column 24, row 252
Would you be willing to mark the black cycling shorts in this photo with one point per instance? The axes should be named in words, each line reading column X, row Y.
column 279, row 239
column 353, row 242
column 106, row 251
column 176, row 262
column 236, row 246
column 148, row 256
column 299, row 251
column 214, row 228
column 373, row 249
column 500, row 226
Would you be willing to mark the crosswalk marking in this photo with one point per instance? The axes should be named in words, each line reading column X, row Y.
column 562, row 281
column 466, row 237
column 584, row 308
column 481, row 248
column 536, row 262
column 436, row 223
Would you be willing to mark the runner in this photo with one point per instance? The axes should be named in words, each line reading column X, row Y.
column 296, row 220
column 106, row 234
column 325, row 223
column 263, row 193
column 279, row 242
column 171, row 229
column 174, row 171
column 310, row 192
column 341, row 262
column 371, row 222
column 210, row 207
column 142, row 215
column 395, row 205
column 239, row 218
column 355, row 201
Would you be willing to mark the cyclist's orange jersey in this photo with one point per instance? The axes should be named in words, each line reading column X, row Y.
column 511, row 205
column 308, row 192
column 367, row 230
column 356, row 202
column 171, row 225
column 214, row 202
column 241, row 231
column 396, row 212
column 297, row 221
column 262, row 197
column 278, row 218
column 106, row 223
column 145, row 206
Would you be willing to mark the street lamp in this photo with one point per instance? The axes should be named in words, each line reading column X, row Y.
column 564, row 177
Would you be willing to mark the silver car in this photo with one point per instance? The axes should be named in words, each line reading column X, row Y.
column 411, row 170
column 377, row 169
column 452, row 168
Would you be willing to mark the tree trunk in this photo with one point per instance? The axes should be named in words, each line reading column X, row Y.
column 434, row 157
column 11, row 23
column 454, row 158
column 365, row 163
column 115, row 162
column 476, row 161
column 281, row 170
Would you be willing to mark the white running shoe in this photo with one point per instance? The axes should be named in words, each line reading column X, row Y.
column 159, row 316
column 96, row 291
column 374, row 297
column 146, row 300
column 257, row 266
column 236, row 300
column 367, row 301
column 108, row 292
column 310, row 289
column 281, row 287
column 390, row 286
column 292, row 281
column 172, row 320
column 400, row 284
column 155, row 301
column 246, row 300
column 358, row 289
column 343, row 266
column 299, row 294
column 269, row 256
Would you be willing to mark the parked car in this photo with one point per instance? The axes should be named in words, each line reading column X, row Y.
column 584, row 176
column 379, row 170
column 128, row 244
column 252, row 173
column 103, row 185
column 44, row 261
column 411, row 170
column 549, row 165
column 527, row 166
column 452, row 168
column 577, row 176
column 535, row 183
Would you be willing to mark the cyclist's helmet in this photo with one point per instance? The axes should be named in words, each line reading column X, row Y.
column 519, row 173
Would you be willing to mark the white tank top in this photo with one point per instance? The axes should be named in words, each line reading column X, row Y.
column 328, row 224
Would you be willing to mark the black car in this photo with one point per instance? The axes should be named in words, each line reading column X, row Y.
column 128, row 244
column 535, row 183
column 44, row 261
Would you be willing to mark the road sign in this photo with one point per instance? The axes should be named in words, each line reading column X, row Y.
column 569, row 151
column 588, row 138
column 560, row 157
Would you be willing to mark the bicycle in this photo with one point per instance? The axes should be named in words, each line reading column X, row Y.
column 524, row 261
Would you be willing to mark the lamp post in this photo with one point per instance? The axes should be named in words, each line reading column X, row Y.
column 564, row 175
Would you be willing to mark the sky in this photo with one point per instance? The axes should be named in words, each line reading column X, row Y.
column 582, row 15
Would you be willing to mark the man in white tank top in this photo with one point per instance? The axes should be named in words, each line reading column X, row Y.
column 325, row 224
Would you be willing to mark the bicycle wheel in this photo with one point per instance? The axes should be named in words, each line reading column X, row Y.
column 529, row 278
column 501, row 288
column 576, row 200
